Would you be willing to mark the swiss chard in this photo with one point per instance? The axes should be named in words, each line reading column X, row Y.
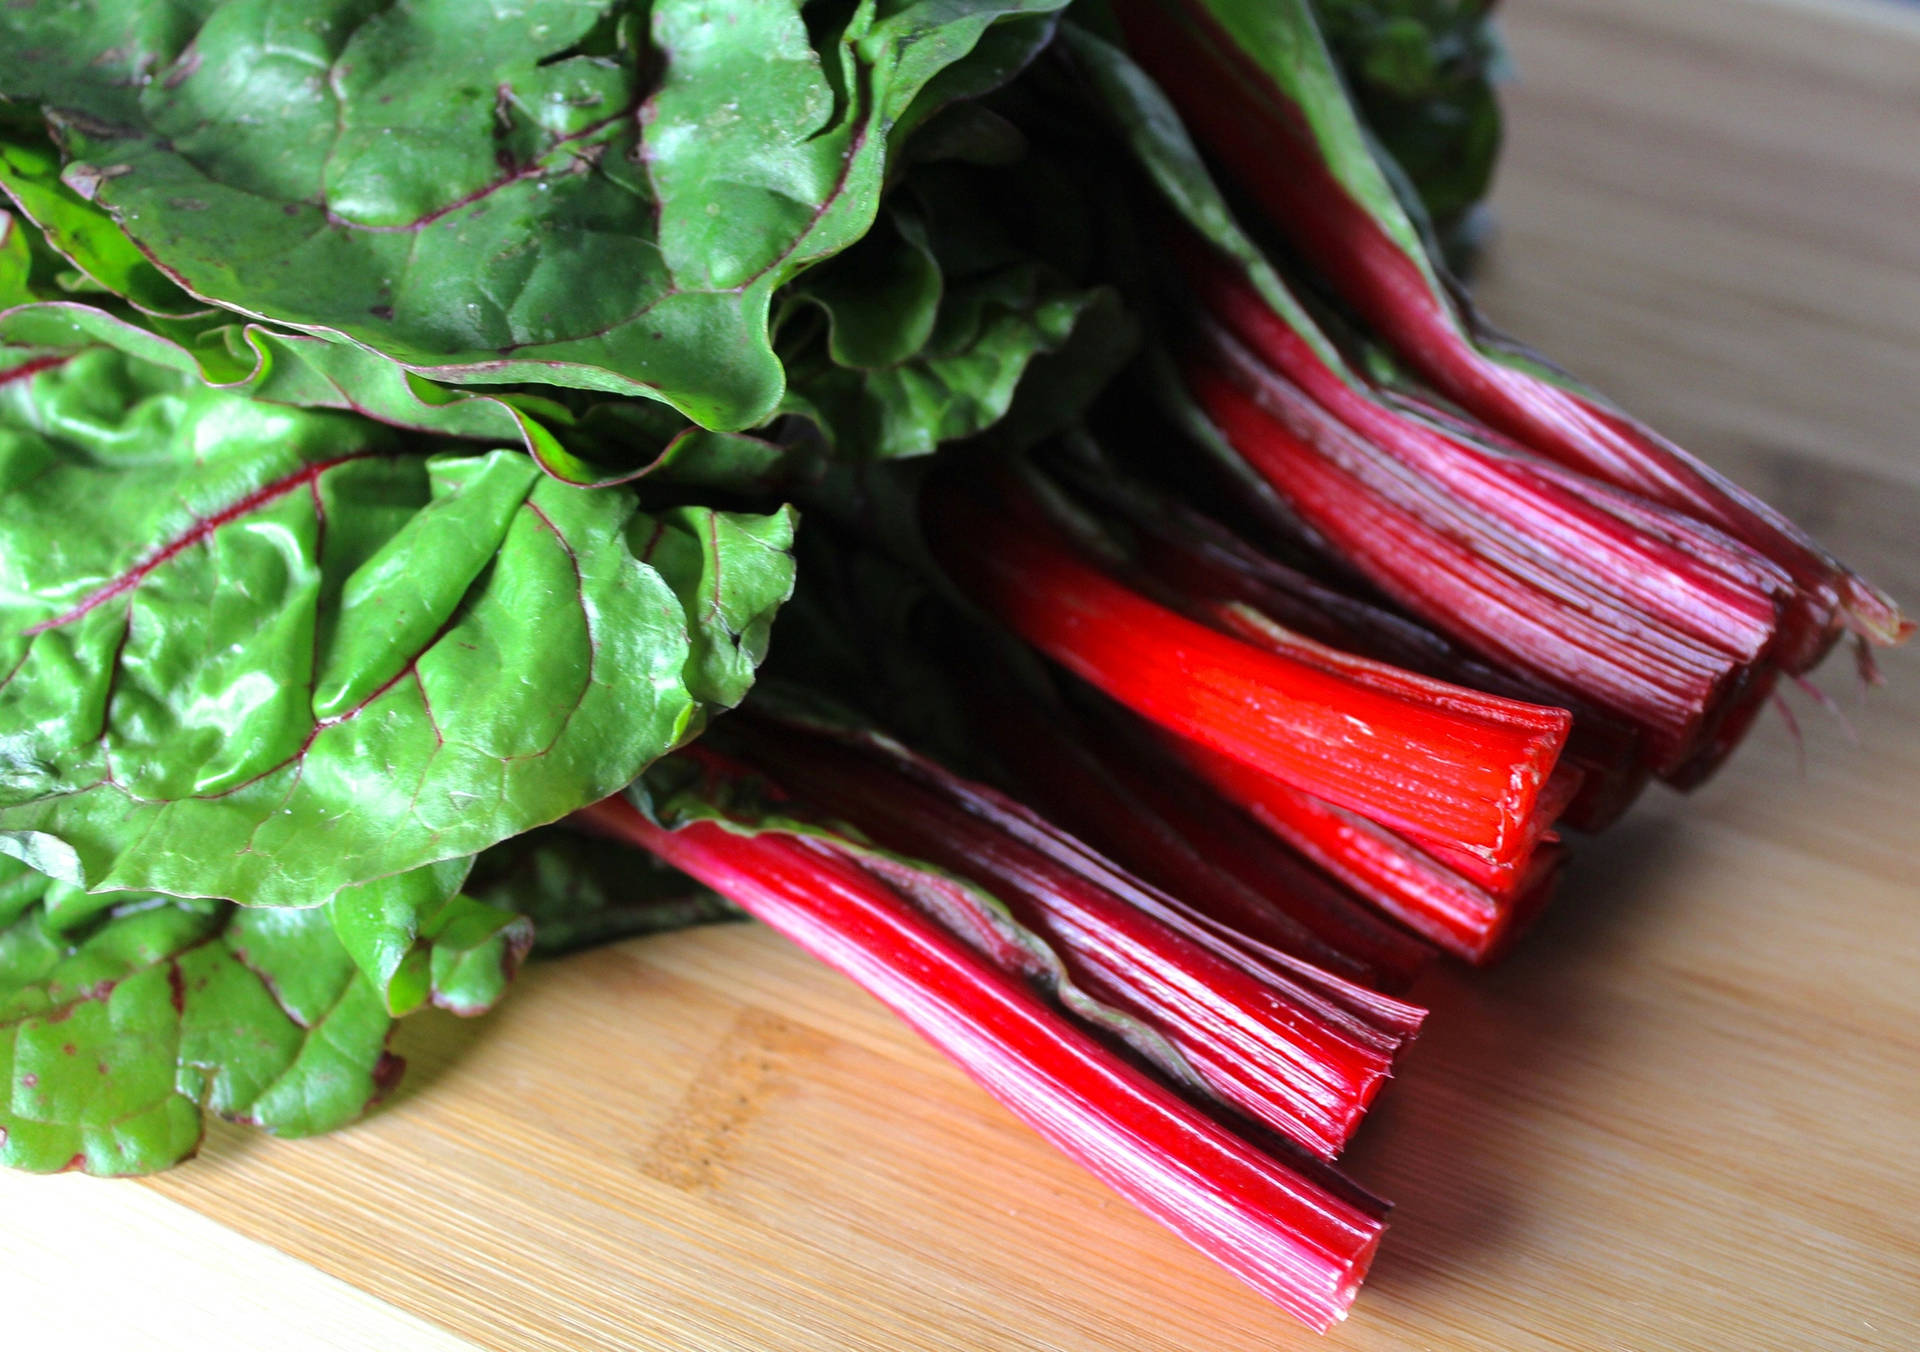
column 1257, row 84
column 946, row 962
column 587, row 195
column 123, row 1016
column 244, row 607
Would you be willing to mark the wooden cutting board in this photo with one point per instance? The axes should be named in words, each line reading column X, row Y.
column 1686, row 1114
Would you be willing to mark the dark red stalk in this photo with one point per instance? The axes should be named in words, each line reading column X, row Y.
column 1273, row 1047
column 1294, row 1240
column 1435, row 772
column 1720, row 740
column 1472, row 541
column 1178, row 835
column 1265, row 142
column 1435, row 901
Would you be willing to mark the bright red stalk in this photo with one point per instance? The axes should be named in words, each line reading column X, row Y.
column 1292, row 1239
column 1435, row 901
column 1436, row 772
column 1178, row 835
column 1213, row 576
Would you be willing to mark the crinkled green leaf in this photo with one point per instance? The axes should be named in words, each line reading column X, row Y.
column 928, row 336
column 419, row 941
column 125, row 1016
column 125, row 311
column 258, row 652
column 732, row 571
column 536, row 195
column 83, row 233
column 307, row 372
column 960, row 383
column 1003, row 51
column 579, row 890
column 119, row 1027
column 881, row 304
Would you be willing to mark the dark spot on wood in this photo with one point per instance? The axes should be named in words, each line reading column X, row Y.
column 710, row 1123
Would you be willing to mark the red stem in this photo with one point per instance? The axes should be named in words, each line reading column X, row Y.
column 1275, row 1048
column 1213, row 576
column 1435, row 772
column 1435, row 901
column 1474, row 547
column 1178, row 835
column 1264, row 140
column 1290, row 1238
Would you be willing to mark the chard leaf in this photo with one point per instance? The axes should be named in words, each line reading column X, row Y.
column 119, row 1028
column 271, row 653
column 302, row 371
column 1421, row 73
column 732, row 572
column 544, row 196
column 419, row 941
column 125, row 1016
column 84, row 234
column 960, row 382
column 129, row 305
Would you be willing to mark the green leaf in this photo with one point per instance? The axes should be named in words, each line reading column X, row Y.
column 119, row 1029
column 84, row 234
column 1421, row 73
column 933, row 322
column 732, row 572
column 961, row 382
column 258, row 652
column 492, row 202
column 418, row 941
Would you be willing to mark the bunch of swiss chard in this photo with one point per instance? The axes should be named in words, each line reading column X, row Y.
column 401, row 475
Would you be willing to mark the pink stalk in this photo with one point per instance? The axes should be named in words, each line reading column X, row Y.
column 1290, row 1053
column 1238, row 114
column 1178, row 835
column 1293, row 1239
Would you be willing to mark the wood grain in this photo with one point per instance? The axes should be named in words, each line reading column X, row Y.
column 1685, row 1115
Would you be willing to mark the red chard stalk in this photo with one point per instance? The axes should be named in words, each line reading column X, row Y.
column 1303, row 1244
column 1424, row 766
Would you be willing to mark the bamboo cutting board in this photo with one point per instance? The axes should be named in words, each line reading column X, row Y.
column 1686, row 1114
